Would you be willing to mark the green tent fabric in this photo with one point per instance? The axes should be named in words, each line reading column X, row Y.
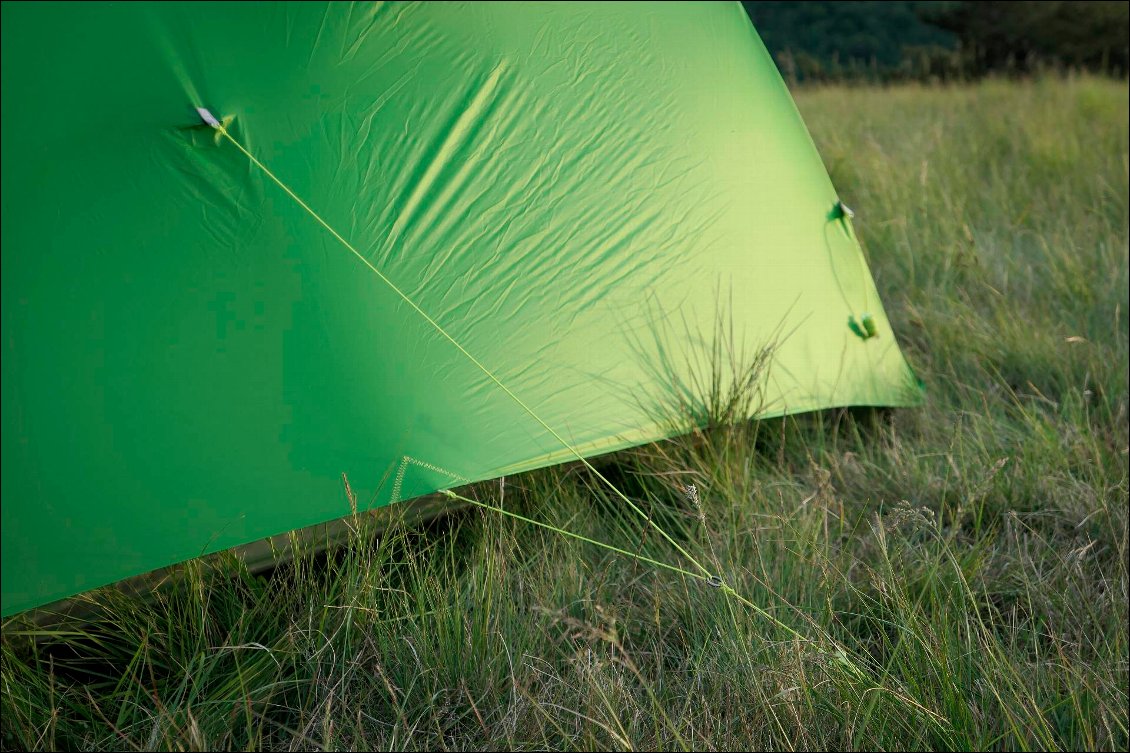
column 191, row 360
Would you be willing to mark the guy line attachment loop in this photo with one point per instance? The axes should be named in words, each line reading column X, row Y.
column 207, row 117
column 865, row 328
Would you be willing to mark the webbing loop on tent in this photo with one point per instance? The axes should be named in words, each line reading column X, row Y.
column 843, row 210
column 865, row 328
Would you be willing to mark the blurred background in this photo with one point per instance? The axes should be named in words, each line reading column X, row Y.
column 876, row 42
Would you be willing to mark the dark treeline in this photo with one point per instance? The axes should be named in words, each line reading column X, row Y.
column 942, row 41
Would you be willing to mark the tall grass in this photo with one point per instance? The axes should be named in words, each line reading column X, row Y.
column 950, row 577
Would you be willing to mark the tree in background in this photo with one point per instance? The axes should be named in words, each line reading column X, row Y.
column 1024, row 36
column 885, row 41
column 832, row 41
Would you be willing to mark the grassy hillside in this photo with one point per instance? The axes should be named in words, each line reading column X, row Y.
column 947, row 577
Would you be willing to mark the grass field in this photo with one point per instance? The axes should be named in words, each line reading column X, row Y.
column 950, row 577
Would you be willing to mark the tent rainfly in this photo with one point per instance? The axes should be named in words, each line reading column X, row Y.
column 417, row 244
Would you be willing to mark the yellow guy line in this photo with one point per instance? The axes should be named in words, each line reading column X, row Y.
column 706, row 574
column 404, row 296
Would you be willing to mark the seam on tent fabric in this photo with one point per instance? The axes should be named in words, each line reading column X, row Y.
column 863, row 266
column 832, row 261
column 706, row 574
column 398, row 484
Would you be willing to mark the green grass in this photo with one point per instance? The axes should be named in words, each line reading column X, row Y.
column 949, row 577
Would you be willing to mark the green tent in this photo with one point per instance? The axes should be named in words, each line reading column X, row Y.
column 420, row 245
